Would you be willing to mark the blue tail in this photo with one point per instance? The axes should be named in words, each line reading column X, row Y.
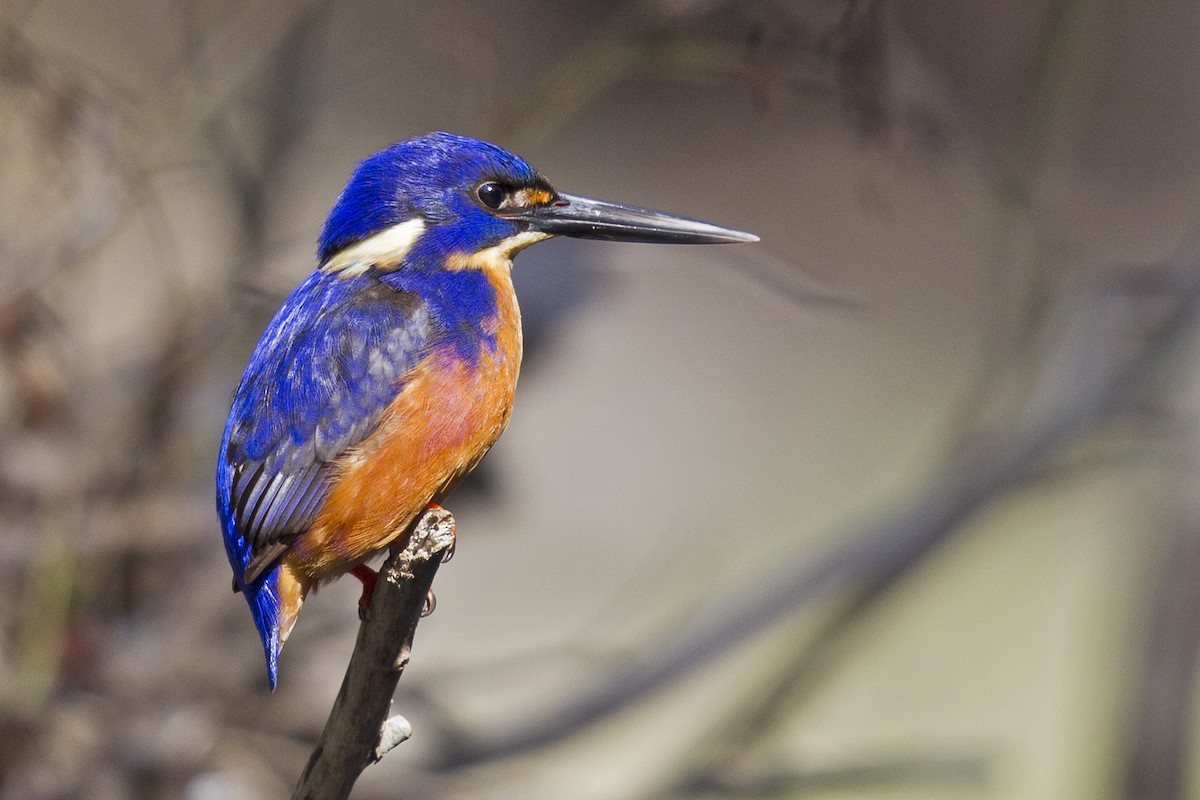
column 262, row 594
column 263, row 598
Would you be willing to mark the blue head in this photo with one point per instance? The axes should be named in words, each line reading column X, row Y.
column 455, row 186
column 442, row 194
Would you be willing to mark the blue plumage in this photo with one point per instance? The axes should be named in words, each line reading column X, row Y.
column 328, row 365
column 457, row 300
column 334, row 356
column 411, row 313
column 446, row 167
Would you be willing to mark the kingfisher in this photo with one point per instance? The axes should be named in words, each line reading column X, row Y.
column 391, row 370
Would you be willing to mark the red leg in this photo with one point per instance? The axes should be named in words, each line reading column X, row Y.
column 368, row 577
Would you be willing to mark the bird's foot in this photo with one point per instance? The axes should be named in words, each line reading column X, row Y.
column 368, row 577
column 430, row 600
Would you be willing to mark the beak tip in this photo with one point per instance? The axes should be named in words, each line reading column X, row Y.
column 586, row 218
column 729, row 236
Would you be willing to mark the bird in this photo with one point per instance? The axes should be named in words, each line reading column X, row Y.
column 389, row 372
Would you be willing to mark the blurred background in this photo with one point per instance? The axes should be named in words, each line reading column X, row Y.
column 898, row 503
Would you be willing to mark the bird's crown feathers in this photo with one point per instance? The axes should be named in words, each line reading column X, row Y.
column 429, row 177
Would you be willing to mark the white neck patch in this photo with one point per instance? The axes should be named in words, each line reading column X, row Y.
column 383, row 250
column 501, row 255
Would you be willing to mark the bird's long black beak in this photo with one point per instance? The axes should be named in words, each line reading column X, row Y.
column 584, row 218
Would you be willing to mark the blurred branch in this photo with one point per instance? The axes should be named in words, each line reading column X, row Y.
column 858, row 45
column 358, row 732
column 829, row 50
column 1016, row 297
column 287, row 100
column 93, row 163
column 890, row 774
column 1162, row 727
column 289, row 97
column 788, row 685
column 1098, row 363
column 1090, row 359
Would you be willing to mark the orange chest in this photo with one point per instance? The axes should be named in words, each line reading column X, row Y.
column 461, row 406
column 449, row 411
column 468, row 401
column 453, row 408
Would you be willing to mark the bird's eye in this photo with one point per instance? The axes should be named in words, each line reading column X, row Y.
column 491, row 195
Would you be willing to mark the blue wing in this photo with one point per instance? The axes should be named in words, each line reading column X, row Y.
column 328, row 365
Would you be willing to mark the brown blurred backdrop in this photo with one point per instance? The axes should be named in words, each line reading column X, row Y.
column 898, row 503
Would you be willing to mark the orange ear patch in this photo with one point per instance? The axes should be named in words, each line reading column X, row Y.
column 537, row 197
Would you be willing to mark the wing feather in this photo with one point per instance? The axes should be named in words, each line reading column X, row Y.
column 326, row 369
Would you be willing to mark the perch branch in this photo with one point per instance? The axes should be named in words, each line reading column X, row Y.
column 358, row 731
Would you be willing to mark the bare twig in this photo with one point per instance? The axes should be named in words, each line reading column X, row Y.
column 358, row 731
